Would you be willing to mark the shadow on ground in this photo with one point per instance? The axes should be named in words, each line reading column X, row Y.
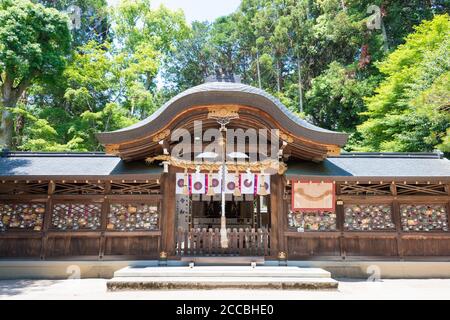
column 18, row 287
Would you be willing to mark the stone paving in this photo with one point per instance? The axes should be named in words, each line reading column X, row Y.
column 348, row 289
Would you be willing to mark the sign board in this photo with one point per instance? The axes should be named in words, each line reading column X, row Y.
column 313, row 196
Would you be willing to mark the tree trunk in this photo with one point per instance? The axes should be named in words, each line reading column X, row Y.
column 6, row 124
column 300, row 87
column 258, row 70
column 385, row 37
column 278, row 77
column 10, row 96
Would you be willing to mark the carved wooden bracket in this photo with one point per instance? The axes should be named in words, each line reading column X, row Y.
column 286, row 137
column 112, row 149
column 161, row 135
column 333, row 150
column 223, row 111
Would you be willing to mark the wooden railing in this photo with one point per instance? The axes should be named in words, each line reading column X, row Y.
column 204, row 241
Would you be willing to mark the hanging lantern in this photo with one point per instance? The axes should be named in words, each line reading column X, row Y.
column 237, row 191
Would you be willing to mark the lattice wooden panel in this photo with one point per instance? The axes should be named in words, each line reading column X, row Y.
column 21, row 216
column 24, row 188
column 130, row 217
column 422, row 189
column 312, row 221
column 78, row 188
column 432, row 217
column 151, row 187
column 360, row 217
column 75, row 216
column 366, row 189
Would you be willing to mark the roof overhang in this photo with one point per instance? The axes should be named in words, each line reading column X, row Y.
column 216, row 95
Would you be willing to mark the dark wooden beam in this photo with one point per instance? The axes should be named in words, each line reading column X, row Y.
column 168, row 214
column 276, row 199
column 282, row 214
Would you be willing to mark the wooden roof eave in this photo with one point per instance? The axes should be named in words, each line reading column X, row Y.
column 223, row 94
column 142, row 148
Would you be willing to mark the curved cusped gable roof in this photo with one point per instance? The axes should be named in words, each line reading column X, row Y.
column 221, row 93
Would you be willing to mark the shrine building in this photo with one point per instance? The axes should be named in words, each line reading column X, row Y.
column 301, row 198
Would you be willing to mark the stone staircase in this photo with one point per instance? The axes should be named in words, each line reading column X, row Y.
column 223, row 260
column 221, row 277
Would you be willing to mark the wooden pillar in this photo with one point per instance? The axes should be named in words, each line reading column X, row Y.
column 104, row 221
column 398, row 225
column 276, row 211
column 168, row 208
column 448, row 205
column 282, row 216
column 340, row 222
column 47, row 218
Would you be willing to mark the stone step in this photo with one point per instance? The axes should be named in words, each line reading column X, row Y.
column 202, row 283
column 223, row 260
column 223, row 272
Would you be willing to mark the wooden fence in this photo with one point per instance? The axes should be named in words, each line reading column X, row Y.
column 254, row 242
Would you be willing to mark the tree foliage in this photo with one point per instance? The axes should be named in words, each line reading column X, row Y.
column 109, row 80
column 33, row 43
column 388, row 87
column 407, row 112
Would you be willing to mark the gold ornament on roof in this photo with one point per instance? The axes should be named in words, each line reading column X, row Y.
column 333, row 150
column 223, row 112
column 286, row 137
column 112, row 149
column 161, row 135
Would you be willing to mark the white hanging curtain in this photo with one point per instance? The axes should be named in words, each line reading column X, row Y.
column 179, row 185
column 230, row 183
column 198, row 183
column 247, row 183
column 216, row 183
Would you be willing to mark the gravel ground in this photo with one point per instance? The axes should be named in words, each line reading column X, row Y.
column 348, row 289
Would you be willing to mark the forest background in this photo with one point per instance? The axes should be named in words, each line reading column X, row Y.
column 378, row 69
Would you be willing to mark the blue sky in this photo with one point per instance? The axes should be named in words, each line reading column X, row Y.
column 198, row 9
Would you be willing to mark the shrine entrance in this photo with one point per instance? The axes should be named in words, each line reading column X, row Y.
column 199, row 222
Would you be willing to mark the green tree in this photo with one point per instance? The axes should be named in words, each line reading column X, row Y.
column 92, row 80
column 335, row 99
column 94, row 19
column 190, row 63
column 408, row 112
column 33, row 44
column 106, row 85
column 317, row 56
column 144, row 38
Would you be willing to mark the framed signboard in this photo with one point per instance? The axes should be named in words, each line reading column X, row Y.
column 313, row 196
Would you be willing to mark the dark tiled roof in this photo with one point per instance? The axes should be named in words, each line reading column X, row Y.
column 376, row 165
column 56, row 165
column 397, row 155
column 349, row 165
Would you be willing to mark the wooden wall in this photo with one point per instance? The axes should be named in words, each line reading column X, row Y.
column 102, row 243
column 395, row 244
